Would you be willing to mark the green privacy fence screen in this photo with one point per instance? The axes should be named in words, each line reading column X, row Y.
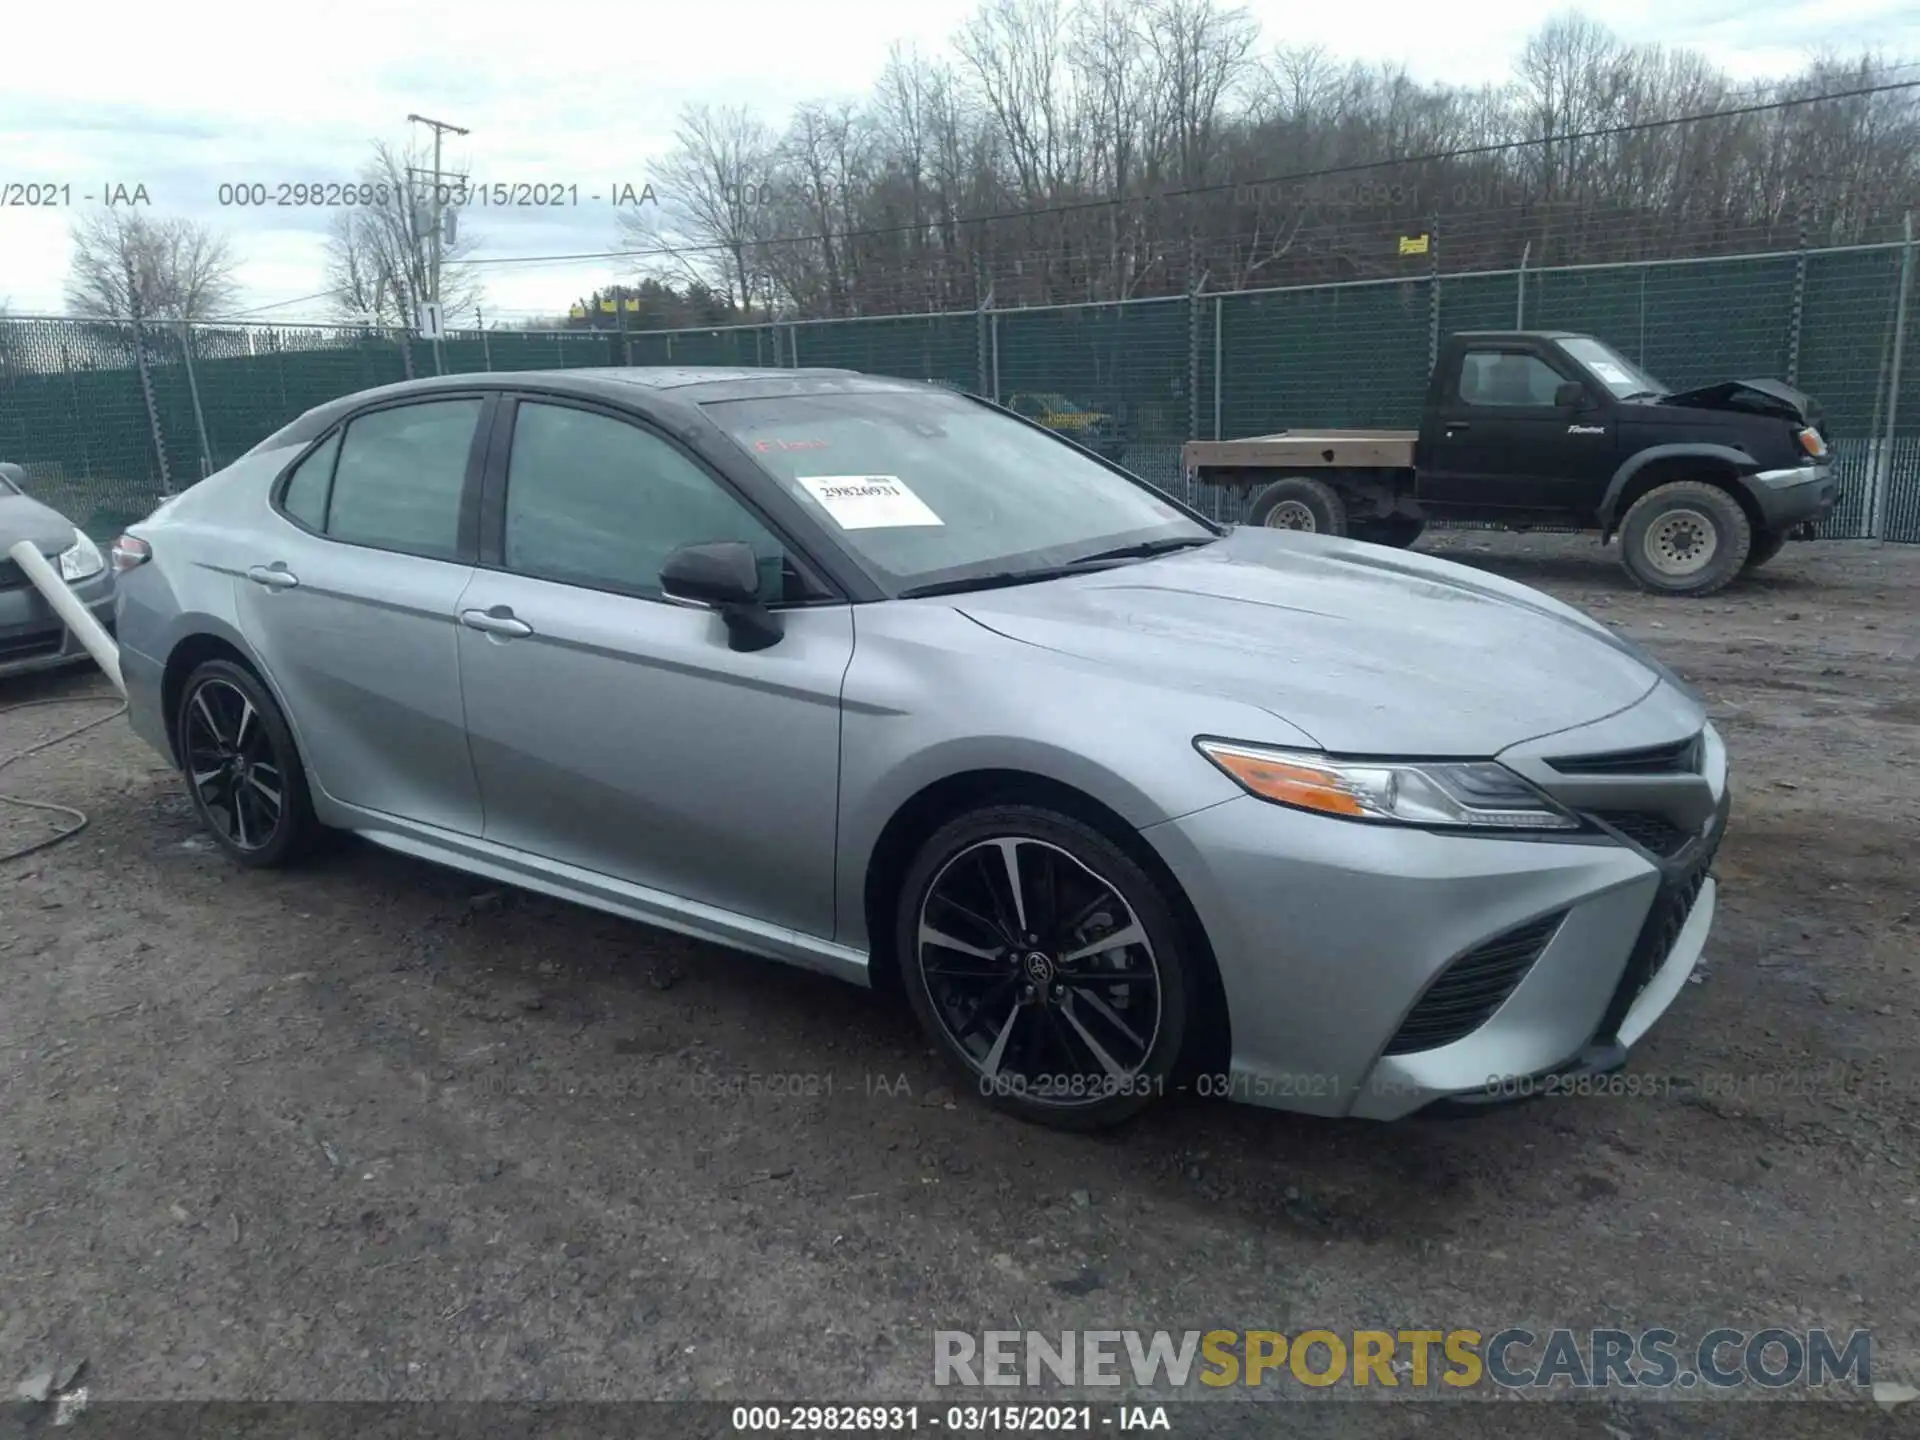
column 107, row 417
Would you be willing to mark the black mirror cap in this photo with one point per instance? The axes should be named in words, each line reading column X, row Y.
column 1571, row 395
column 721, row 572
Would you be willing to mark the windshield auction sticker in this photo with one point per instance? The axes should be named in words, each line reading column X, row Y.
column 868, row 502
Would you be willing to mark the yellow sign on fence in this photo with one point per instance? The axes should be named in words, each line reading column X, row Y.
column 1413, row 244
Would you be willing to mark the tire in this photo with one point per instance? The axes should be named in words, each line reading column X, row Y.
column 1685, row 538
column 1056, row 1058
column 1766, row 545
column 232, row 733
column 1299, row 502
column 1399, row 531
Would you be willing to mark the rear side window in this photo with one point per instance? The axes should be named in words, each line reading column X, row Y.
column 305, row 497
column 400, row 478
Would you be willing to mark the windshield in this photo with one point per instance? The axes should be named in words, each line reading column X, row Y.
column 928, row 488
column 1612, row 369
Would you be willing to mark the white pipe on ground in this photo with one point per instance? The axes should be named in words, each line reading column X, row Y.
column 89, row 631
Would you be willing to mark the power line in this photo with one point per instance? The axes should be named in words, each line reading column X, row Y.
column 276, row 305
column 1466, row 152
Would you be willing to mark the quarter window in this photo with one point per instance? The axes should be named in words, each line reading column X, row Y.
column 305, row 497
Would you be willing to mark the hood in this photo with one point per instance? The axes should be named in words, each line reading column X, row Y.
column 24, row 518
column 1367, row 650
column 1751, row 397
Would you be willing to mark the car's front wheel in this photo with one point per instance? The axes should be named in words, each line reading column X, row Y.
column 1046, row 964
column 243, row 773
column 1685, row 538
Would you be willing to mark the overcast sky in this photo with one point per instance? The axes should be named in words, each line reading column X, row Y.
column 180, row 98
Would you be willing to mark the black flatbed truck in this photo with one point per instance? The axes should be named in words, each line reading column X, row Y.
column 1532, row 429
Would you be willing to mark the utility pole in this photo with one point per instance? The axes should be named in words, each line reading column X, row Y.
column 440, row 128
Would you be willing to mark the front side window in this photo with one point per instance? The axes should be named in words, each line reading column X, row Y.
column 400, row 477
column 595, row 501
column 1497, row 377
column 928, row 487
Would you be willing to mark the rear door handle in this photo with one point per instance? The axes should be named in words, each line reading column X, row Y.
column 1454, row 427
column 274, row 577
column 497, row 621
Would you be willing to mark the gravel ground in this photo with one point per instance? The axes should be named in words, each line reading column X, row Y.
column 372, row 1130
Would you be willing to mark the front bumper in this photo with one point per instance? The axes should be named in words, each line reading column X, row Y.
column 1797, row 495
column 32, row 636
column 1330, row 934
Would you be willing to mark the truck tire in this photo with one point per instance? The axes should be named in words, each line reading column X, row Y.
column 1399, row 531
column 1685, row 538
column 1299, row 502
column 1766, row 545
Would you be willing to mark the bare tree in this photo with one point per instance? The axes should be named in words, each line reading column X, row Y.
column 716, row 186
column 129, row 266
column 1098, row 149
column 379, row 257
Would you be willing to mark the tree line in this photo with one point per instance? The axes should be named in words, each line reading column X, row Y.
column 1098, row 150
column 1129, row 148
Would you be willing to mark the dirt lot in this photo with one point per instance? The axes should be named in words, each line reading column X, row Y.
column 373, row 1130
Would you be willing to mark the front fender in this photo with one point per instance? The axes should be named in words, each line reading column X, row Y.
column 1743, row 464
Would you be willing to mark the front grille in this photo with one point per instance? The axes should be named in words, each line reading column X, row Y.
column 1648, row 829
column 1672, row 904
column 1680, row 758
column 1473, row 987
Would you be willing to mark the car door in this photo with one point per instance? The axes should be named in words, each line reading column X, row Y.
column 350, row 603
column 616, row 730
column 1499, row 439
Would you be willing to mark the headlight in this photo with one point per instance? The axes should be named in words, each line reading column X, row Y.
column 81, row 560
column 1480, row 794
column 1813, row 443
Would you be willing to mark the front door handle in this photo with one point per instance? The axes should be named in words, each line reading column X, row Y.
column 274, row 577
column 497, row 621
column 1454, row 427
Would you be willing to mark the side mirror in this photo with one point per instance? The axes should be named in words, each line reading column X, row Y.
column 723, row 575
column 1571, row 395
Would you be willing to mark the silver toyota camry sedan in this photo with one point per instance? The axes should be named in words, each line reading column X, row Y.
column 886, row 681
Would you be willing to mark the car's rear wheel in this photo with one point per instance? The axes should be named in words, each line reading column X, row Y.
column 1299, row 502
column 242, row 770
column 1046, row 964
column 1685, row 538
column 1399, row 531
column 1766, row 545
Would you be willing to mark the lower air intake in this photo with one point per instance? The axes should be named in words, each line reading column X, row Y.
column 1473, row 987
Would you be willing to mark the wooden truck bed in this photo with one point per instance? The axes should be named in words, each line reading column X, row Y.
column 1305, row 450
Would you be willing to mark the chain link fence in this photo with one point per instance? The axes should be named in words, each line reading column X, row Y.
column 108, row 417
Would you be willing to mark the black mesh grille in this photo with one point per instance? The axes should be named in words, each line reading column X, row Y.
column 1680, row 758
column 1473, row 987
column 1648, row 829
column 1668, row 916
column 12, row 577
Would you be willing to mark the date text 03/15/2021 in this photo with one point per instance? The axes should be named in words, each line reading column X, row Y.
column 948, row 1419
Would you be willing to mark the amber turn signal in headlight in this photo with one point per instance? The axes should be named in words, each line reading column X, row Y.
column 1476, row 794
